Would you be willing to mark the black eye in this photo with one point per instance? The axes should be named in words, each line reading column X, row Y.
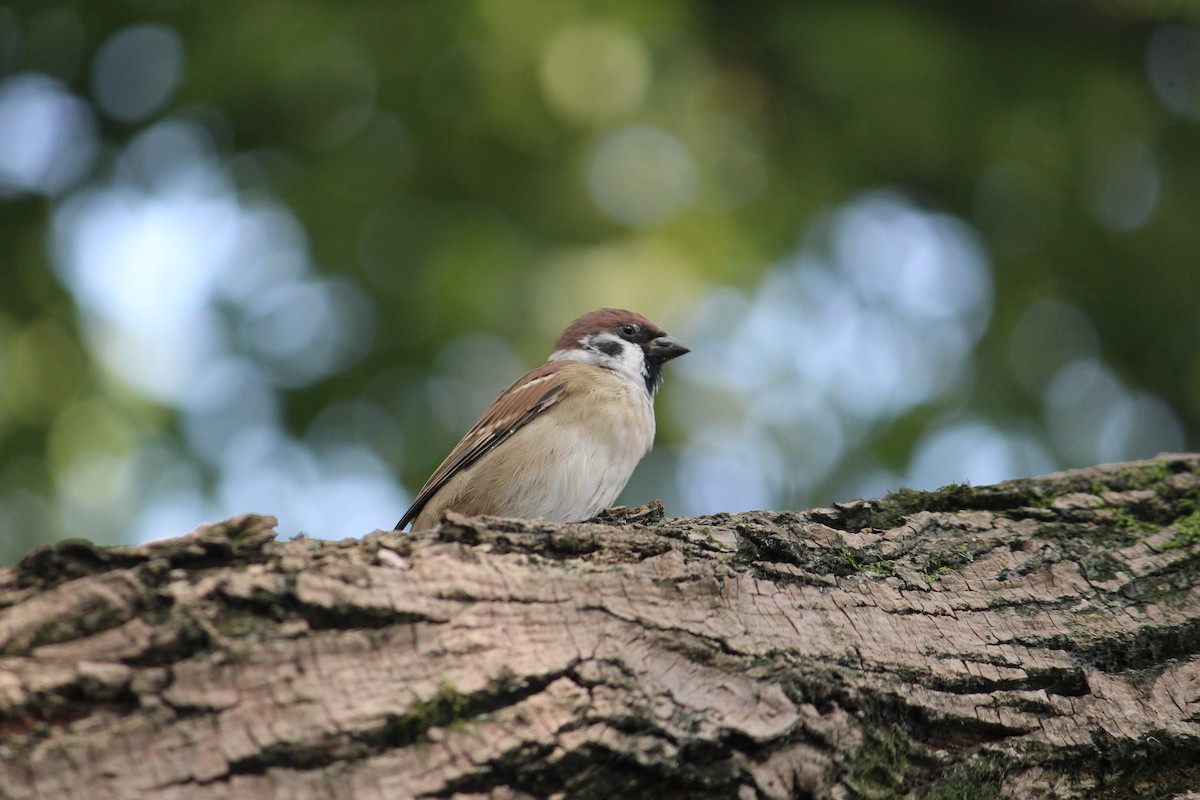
column 628, row 330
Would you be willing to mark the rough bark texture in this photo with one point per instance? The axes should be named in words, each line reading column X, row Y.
column 1039, row 638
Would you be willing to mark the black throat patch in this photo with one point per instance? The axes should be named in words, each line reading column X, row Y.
column 653, row 373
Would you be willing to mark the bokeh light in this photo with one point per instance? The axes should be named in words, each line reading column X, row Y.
column 595, row 71
column 1126, row 188
column 47, row 135
column 876, row 313
column 136, row 71
column 642, row 176
column 210, row 306
column 1173, row 66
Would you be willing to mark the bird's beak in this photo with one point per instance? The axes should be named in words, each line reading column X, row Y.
column 664, row 348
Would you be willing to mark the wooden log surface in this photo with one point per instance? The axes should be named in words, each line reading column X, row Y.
column 1037, row 638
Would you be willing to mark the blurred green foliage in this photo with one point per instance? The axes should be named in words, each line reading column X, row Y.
column 448, row 159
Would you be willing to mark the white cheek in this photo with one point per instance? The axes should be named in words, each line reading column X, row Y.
column 631, row 361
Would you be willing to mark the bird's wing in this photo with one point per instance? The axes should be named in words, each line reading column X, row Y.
column 531, row 395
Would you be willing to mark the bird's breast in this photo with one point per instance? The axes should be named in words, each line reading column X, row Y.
column 571, row 464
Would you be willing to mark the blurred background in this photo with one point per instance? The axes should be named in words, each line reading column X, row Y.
column 277, row 256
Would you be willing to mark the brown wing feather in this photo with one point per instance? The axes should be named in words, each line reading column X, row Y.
column 529, row 396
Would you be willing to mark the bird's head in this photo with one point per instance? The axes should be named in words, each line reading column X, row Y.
column 622, row 341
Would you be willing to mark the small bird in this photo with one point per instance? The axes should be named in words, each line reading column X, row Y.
column 562, row 441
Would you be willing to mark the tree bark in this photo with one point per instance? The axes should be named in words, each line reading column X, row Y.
column 1038, row 638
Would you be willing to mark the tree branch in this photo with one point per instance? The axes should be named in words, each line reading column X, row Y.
column 1038, row 638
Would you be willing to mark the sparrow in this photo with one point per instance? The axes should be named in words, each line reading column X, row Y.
column 561, row 442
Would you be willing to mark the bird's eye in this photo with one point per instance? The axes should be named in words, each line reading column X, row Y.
column 628, row 330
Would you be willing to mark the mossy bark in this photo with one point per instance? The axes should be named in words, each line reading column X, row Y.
column 1039, row 638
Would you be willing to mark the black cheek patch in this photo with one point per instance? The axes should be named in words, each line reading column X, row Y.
column 609, row 347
